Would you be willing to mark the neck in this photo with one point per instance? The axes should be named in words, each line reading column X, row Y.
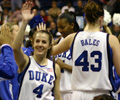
column 92, row 27
column 40, row 60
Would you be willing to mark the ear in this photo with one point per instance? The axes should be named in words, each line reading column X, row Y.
column 101, row 19
column 72, row 25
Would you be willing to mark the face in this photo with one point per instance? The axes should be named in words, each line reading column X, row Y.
column 35, row 12
column 54, row 4
column 64, row 27
column 52, row 25
column 41, row 44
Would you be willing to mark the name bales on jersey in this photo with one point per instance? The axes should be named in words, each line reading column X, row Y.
column 93, row 42
column 39, row 76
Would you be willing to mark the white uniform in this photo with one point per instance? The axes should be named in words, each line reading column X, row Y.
column 92, row 65
column 65, row 80
column 37, row 81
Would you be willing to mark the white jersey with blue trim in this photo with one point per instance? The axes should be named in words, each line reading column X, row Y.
column 37, row 82
column 92, row 69
column 65, row 79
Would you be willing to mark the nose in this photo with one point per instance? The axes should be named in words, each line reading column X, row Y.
column 40, row 43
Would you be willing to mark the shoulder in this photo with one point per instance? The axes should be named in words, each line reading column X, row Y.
column 113, row 40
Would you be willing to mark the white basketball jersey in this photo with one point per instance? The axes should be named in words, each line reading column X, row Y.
column 65, row 80
column 91, row 63
column 37, row 82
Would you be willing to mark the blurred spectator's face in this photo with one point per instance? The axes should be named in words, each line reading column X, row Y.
column 5, row 12
column 116, row 29
column 69, row 4
column 42, row 13
column 50, row 19
column 52, row 25
column 54, row 4
column 35, row 12
column 10, row 13
column 79, row 3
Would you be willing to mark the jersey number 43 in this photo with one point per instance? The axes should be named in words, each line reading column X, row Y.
column 82, row 60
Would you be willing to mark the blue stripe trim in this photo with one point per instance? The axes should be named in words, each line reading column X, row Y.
column 110, row 63
column 21, row 76
column 71, row 48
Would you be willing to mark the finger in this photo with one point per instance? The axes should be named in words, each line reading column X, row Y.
column 29, row 5
column 37, row 28
column 44, row 26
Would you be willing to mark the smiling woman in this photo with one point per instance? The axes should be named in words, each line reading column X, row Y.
column 38, row 74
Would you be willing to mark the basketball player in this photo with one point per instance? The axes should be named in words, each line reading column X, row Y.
column 7, row 62
column 93, row 55
column 9, row 88
column 66, row 24
column 38, row 77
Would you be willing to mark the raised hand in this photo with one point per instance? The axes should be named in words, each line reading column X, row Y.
column 41, row 26
column 26, row 11
column 5, row 35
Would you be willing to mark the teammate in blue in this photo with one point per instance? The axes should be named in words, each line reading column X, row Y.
column 93, row 54
column 39, row 79
column 7, row 62
column 9, row 88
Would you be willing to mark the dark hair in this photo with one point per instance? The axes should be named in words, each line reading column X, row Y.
column 93, row 11
column 35, row 7
column 103, row 97
column 31, row 33
column 71, row 18
column 50, row 41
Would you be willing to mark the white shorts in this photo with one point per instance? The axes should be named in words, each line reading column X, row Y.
column 78, row 95
column 66, row 95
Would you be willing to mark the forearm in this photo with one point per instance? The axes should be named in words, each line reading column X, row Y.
column 20, row 36
column 64, row 66
column 107, row 30
column 67, row 67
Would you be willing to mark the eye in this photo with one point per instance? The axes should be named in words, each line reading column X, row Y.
column 37, row 41
column 44, row 41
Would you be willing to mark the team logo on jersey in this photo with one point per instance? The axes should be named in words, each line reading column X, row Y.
column 49, row 69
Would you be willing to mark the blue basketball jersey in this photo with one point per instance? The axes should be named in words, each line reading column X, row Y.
column 8, row 69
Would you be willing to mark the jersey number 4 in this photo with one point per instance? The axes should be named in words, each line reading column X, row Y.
column 38, row 90
column 82, row 60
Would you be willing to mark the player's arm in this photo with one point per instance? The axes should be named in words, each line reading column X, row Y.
column 21, row 59
column 7, row 63
column 57, row 83
column 63, row 45
column 107, row 29
column 63, row 65
column 115, row 45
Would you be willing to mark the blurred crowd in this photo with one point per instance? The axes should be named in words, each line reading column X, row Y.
column 51, row 9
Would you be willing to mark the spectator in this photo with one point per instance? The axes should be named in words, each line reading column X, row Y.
column 79, row 8
column 44, row 16
column 16, row 17
column 16, row 4
column 50, row 19
column 54, row 10
column 68, row 7
column 53, row 28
